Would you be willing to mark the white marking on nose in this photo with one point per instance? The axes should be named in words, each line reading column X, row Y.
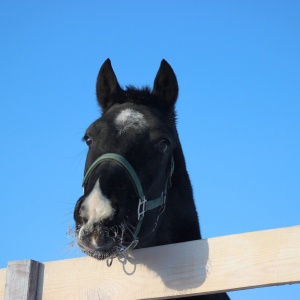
column 130, row 119
column 96, row 206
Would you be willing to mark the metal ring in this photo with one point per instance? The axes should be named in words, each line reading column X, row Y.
column 109, row 261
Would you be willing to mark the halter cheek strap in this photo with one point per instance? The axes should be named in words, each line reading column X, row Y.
column 144, row 204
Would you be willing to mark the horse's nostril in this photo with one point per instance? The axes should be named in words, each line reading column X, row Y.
column 103, row 241
column 102, row 234
column 102, row 237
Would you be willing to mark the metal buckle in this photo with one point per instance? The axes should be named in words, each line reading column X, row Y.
column 141, row 207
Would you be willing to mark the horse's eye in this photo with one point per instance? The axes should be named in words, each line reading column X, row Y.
column 88, row 140
column 163, row 146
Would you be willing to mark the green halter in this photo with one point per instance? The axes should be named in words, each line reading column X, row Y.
column 144, row 204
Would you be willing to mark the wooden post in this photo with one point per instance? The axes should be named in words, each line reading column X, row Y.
column 21, row 280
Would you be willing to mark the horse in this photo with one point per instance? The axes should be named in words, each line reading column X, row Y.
column 137, row 191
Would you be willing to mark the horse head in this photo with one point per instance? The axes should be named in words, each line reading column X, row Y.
column 129, row 164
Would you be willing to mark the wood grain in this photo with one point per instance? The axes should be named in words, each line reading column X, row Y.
column 218, row 264
column 2, row 282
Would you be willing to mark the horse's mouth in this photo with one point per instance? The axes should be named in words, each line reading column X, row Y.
column 109, row 249
column 106, row 246
column 103, row 245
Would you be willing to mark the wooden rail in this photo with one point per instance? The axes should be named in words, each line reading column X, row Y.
column 228, row 263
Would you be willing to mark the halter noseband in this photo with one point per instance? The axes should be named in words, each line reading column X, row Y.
column 144, row 204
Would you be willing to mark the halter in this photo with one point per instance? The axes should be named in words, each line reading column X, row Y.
column 144, row 204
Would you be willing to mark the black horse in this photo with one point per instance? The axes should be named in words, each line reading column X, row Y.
column 137, row 192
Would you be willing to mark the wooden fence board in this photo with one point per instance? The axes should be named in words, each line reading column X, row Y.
column 234, row 262
column 226, row 263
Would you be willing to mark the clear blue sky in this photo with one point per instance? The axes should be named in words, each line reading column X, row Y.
column 238, row 67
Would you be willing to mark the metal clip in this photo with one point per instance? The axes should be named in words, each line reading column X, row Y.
column 141, row 207
column 132, row 245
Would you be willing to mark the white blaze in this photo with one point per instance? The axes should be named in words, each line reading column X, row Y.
column 97, row 208
column 130, row 119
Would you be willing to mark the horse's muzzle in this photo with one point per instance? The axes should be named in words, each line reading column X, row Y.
column 98, row 241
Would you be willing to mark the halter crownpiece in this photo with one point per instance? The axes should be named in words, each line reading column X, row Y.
column 144, row 204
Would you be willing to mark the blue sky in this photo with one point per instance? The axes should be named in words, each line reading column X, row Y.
column 238, row 67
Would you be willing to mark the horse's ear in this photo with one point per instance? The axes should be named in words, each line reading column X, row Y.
column 107, row 84
column 165, row 84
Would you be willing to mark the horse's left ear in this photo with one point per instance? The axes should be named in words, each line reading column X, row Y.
column 165, row 84
column 107, row 84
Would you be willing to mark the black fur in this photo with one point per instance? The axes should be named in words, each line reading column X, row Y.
column 149, row 151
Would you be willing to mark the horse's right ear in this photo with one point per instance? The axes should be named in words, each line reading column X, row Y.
column 107, row 84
